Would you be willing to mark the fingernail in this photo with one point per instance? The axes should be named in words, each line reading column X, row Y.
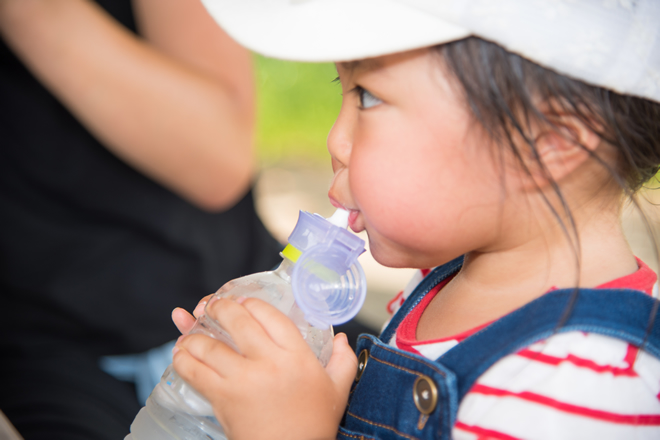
column 175, row 350
column 199, row 309
column 180, row 338
column 241, row 299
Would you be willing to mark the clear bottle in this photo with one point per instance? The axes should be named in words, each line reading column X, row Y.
column 319, row 283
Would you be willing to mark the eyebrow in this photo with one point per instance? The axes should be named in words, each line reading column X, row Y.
column 360, row 65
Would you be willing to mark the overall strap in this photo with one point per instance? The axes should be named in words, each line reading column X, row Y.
column 431, row 280
column 619, row 313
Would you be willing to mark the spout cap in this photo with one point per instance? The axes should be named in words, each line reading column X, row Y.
column 327, row 280
column 339, row 218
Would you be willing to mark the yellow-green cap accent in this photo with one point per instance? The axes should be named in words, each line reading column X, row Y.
column 291, row 253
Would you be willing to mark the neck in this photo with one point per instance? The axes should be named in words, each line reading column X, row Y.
column 496, row 281
column 546, row 257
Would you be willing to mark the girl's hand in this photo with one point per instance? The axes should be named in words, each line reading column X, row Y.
column 274, row 389
column 183, row 320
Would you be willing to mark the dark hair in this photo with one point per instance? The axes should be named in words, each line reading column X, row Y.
column 500, row 85
column 501, row 89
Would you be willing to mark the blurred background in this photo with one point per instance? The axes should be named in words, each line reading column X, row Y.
column 297, row 105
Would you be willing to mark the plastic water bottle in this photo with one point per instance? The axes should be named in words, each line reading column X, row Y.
column 319, row 283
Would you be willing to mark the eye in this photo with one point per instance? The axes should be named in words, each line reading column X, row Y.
column 367, row 100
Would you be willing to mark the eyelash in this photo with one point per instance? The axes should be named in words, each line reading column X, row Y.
column 361, row 91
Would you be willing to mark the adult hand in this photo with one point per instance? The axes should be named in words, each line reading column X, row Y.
column 275, row 387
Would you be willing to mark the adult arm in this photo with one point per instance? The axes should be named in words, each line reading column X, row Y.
column 176, row 104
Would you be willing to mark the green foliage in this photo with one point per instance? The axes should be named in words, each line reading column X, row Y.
column 297, row 105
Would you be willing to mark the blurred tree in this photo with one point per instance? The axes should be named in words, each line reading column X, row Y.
column 297, row 105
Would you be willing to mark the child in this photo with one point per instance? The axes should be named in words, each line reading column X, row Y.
column 496, row 142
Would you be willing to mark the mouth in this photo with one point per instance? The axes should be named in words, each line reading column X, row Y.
column 353, row 215
column 336, row 204
column 352, row 218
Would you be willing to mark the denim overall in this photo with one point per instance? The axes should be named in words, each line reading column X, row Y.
column 400, row 395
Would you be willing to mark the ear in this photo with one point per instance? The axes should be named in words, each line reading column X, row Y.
column 562, row 148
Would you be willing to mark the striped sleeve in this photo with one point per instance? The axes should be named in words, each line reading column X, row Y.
column 573, row 385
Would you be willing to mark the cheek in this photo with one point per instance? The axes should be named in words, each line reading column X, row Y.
column 428, row 196
column 383, row 176
column 394, row 189
column 402, row 165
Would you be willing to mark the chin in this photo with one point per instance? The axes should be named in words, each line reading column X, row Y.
column 391, row 256
column 388, row 258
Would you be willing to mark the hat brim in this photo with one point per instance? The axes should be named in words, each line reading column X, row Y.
column 330, row 30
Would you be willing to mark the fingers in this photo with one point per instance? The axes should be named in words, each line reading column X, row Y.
column 279, row 327
column 216, row 355
column 342, row 365
column 183, row 320
column 255, row 326
column 246, row 332
column 199, row 309
column 200, row 376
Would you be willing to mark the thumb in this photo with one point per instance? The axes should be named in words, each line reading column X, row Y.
column 343, row 363
column 183, row 320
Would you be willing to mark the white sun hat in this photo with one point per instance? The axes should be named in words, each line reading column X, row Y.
column 610, row 43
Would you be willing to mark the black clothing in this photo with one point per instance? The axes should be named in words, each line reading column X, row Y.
column 93, row 258
column 65, row 396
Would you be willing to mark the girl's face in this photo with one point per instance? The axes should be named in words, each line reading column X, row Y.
column 411, row 166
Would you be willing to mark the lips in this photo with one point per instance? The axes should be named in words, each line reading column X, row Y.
column 335, row 203
column 353, row 215
column 356, row 223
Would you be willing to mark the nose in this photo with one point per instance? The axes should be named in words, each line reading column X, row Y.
column 340, row 140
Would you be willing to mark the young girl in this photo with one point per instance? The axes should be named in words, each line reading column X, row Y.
column 495, row 142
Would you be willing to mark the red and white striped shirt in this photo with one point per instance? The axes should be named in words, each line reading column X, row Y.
column 572, row 385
